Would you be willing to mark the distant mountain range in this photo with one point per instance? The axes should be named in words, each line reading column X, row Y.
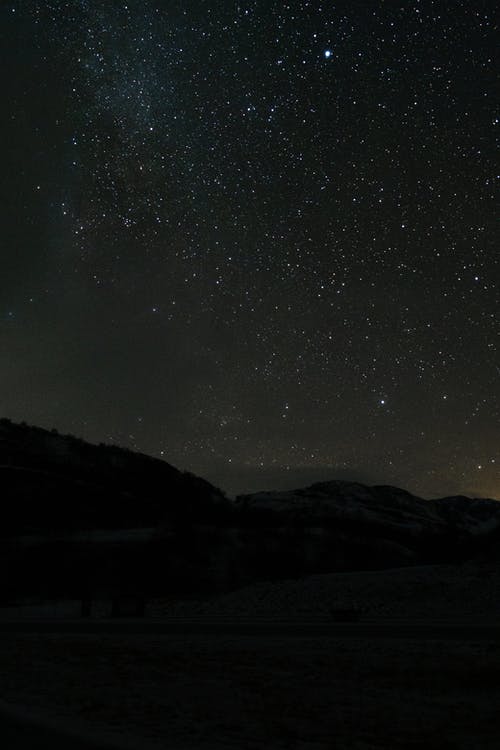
column 376, row 527
column 383, row 506
column 54, row 487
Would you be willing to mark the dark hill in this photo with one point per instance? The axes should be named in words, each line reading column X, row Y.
column 58, row 482
column 195, row 541
column 379, row 526
column 383, row 506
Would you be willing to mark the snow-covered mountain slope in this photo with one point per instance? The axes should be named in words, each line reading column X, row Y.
column 381, row 506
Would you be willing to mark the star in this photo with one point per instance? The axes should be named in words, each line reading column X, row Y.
column 205, row 204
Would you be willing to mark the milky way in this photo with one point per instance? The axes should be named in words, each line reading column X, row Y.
column 256, row 239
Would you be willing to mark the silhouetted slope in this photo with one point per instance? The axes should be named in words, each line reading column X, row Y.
column 200, row 542
column 383, row 506
column 50, row 481
column 370, row 526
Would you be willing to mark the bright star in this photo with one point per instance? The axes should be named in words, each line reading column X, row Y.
column 328, row 53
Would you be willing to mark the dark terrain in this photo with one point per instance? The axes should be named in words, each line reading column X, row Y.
column 83, row 521
column 249, row 635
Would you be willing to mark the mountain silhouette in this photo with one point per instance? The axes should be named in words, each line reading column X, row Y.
column 80, row 517
column 51, row 481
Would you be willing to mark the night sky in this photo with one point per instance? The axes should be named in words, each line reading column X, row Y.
column 256, row 238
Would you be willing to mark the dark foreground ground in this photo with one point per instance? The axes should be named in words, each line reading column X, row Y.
column 263, row 627
column 403, row 686
column 18, row 735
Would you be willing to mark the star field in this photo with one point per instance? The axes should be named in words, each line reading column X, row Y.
column 256, row 239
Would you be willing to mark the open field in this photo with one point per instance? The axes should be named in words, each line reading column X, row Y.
column 266, row 668
column 426, row 592
column 302, row 693
column 453, row 592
